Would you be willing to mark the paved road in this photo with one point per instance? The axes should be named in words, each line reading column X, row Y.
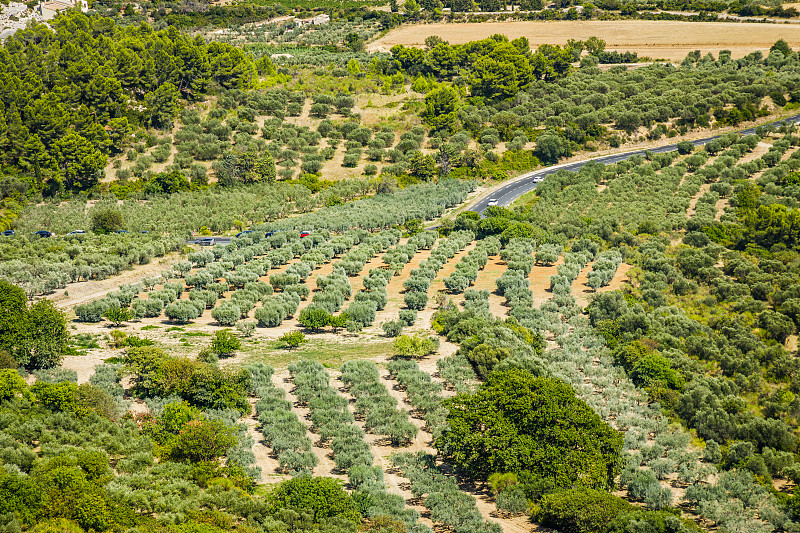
column 509, row 192
column 217, row 238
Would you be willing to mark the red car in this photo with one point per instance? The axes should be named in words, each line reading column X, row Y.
column 304, row 234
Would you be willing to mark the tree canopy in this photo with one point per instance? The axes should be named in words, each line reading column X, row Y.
column 517, row 422
column 35, row 336
column 70, row 93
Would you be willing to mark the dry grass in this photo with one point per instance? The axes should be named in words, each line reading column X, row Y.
column 670, row 40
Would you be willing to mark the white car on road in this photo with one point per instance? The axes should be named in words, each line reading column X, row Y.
column 492, row 202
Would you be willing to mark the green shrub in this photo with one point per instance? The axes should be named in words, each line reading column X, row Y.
column 182, row 312
column 292, row 339
column 581, row 510
column 546, row 430
column 202, row 385
column 227, row 314
column 415, row 345
column 407, row 317
column 117, row 315
column 416, row 300
column 225, row 344
column 323, row 497
column 314, row 318
column 392, row 328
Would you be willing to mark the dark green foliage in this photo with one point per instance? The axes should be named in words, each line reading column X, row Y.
column 498, row 68
column 106, row 220
column 534, row 424
column 156, row 374
column 68, row 136
column 685, row 147
column 440, row 108
column 200, row 441
column 36, row 336
column 582, row 510
column 323, row 497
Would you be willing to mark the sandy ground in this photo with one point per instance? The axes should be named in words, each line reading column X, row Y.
column 670, row 40
column 540, row 281
column 84, row 291
column 583, row 292
column 704, row 188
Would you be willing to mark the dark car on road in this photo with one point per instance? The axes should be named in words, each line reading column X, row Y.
column 8, row 233
column 244, row 233
column 42, row 233
column 206, row 241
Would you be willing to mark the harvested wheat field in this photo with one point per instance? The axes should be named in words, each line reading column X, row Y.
column 670, row 40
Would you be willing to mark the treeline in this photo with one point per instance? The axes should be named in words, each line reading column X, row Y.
column 498, row 68
column 72, row 95
column 591, row 108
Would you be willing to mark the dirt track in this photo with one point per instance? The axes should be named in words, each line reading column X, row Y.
column 670, row 40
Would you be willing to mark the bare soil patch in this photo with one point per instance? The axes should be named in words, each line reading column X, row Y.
column 540, row 281
column 704, row 188
column 670, row 40
column 583, row 292
column 85, row 291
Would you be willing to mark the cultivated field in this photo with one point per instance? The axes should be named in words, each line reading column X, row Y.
column 670, row 40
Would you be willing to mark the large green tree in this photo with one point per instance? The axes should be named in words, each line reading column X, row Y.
column 35, row 336
column 440, row 108
column 517, row 422
column 79, row 161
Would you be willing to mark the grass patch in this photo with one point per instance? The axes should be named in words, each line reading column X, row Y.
column 196, row 334
column 331, row 354
column 81, row 343
column 175, row 328
column 150, row 326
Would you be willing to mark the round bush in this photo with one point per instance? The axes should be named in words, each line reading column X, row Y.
column 392, row 328
column 416, row 300
column 226, row 314
column 407, row 317
column 182, row 311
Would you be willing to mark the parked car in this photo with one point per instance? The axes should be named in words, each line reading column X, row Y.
column 76, row 232
column 492, row 202
column 206, row 241
column 43, row 233
column 244, row 233
column 121, row 231
column 8, row 233
column 304, row 233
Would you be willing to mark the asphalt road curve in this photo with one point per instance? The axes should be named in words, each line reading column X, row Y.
column 509, row 192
